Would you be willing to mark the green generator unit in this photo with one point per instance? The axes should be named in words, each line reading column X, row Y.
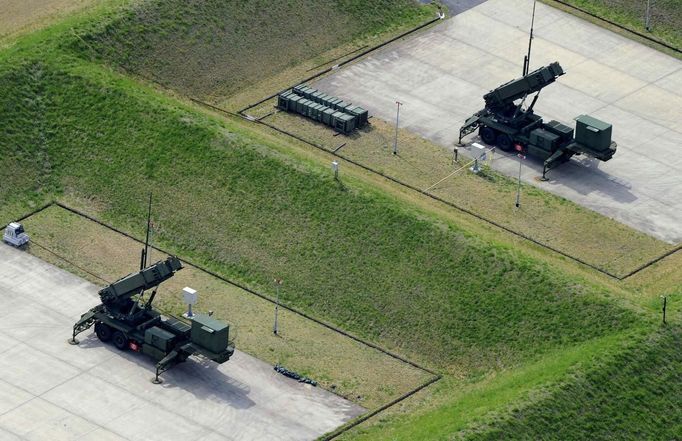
column 210, row 333
column 592, row 132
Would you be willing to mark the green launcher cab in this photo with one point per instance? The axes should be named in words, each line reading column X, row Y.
column 504, row 123
column 125, row 319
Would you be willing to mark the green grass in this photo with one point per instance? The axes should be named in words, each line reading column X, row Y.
column 463, row 408
column 625, row 387
column 193, row 46
column 666, row 16
column 637, row 395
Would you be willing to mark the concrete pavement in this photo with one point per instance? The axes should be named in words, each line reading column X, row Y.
column 50, row 390
column 457, row 6
column 441, row 76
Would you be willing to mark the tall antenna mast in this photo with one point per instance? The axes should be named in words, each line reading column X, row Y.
column 526, row 59
column 145, row 252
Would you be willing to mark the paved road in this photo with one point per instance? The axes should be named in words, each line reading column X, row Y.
column 442, row 74
column 52, row 391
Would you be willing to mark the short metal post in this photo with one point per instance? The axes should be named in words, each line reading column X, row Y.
column 397, row 122
column 647, row 19
column 275, row 328
column 455, row 154
column 518, row 188
column 665, row 304
column 335, row 168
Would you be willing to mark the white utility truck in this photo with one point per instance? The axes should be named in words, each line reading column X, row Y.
column 15, row 234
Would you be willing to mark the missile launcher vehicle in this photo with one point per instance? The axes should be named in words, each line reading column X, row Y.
column 506, row 124
column 130, row 322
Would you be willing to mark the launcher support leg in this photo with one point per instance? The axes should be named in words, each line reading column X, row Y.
column 156, row 379
column 72, row 340
column 162, row 366
column 86, row 321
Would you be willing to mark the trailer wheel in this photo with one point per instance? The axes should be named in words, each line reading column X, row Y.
column 488, row 135
column 504, row 142
column 120, row 340
column 103, row 331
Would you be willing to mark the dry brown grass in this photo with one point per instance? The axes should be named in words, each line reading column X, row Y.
column 353, row 370
column 18, row 16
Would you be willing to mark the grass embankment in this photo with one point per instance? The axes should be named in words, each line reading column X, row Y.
column 636, row 395
column 666, row 16
column 353, row 370
column 346, row 253
column 212, row 49
column 624, row 387
column 549, row 219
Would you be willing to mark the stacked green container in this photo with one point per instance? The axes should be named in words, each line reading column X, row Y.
column 318, row 106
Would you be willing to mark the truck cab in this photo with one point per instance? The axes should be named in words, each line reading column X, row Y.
column 15, row 235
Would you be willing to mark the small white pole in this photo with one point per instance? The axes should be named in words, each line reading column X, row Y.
column 335, row 168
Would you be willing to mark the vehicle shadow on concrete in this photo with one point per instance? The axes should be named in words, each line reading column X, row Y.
column 581, row 174
column 199, row 377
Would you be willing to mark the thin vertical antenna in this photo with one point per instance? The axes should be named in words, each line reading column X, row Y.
column 526, row 60
column 146, row 241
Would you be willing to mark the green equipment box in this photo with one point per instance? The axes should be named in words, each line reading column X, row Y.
column 210, row 333
column 592, row 132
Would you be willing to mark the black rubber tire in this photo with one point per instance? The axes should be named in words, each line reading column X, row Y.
column 504, row 142
column 120, row 340
column 488, row 135
column 103, row 331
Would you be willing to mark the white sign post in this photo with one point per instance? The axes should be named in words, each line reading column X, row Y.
column 190, row 296
column 335, row 169
column 478, row 152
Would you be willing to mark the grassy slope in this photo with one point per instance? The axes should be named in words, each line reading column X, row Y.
column 624, row 387
column 192, row 46
column 637, row 395
column 666, row 16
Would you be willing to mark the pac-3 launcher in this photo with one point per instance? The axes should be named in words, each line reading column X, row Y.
column 506, row 124
column 129, row 321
